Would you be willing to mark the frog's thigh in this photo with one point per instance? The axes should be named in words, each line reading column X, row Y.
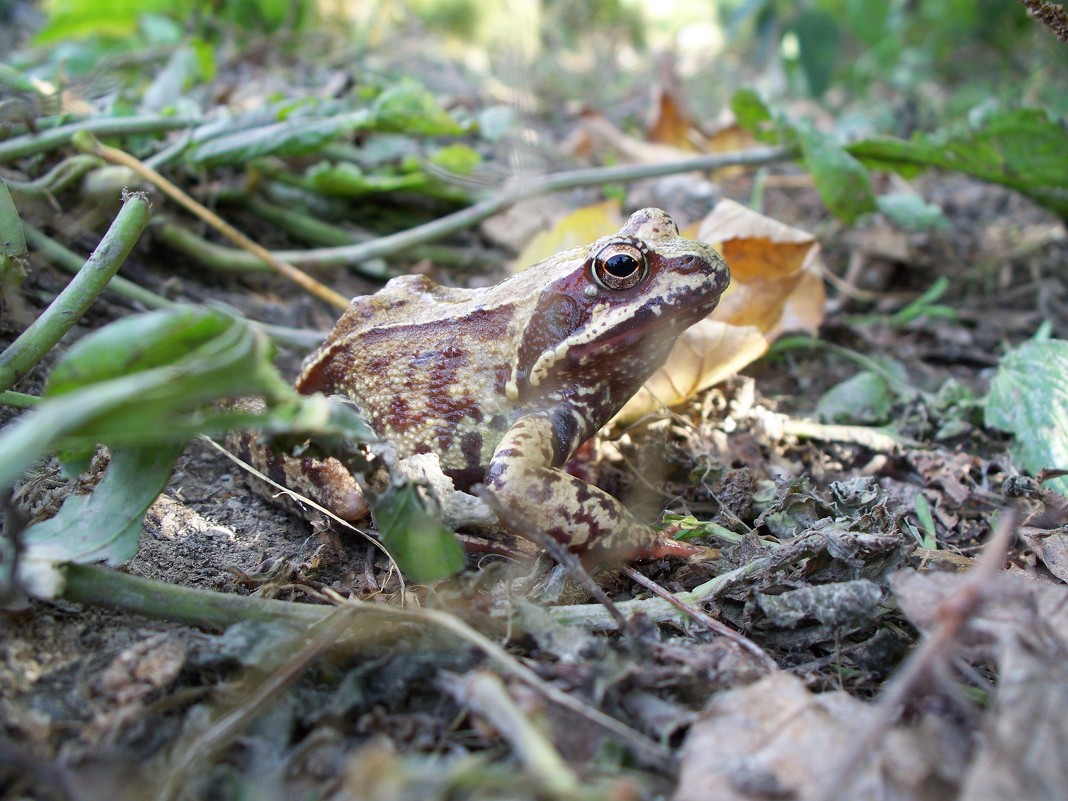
column 326, row 482
column 576, row 514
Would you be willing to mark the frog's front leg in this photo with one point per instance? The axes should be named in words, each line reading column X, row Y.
column 585, row 519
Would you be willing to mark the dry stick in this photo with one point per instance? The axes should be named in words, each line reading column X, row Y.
column 561, row 555
column 706, row 620
column 486, row 695
column 953, row 612
column 535, row 187
column 88, row 143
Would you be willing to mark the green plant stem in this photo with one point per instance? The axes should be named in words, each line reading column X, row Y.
column 18, row 400
column 535, row 187
column 43, row 141
column 101, row 586
column 79, row 294
column 55, row 180
column 71, row 262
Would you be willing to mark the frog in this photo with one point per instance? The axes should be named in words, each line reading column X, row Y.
column 503, row 383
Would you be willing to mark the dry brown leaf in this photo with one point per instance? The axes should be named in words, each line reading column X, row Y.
column 705, row 354
column 772, row 739
column 1022, row 624
column 578, row 228
column 775, row 287
column 669, row 121
column 596, row 136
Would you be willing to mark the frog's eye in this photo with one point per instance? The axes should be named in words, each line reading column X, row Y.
column 619, row 266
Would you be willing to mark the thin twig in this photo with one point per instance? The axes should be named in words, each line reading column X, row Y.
column 561, row 555
column 530, row 188
column 87, row 143
column 953, row 613
column 704, row 619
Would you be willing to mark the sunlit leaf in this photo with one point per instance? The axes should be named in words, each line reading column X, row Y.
column 1029, row 398
column 423, row 547
column 841, row 180
column 1025, row 149
column 102, row 526
column 578, row 228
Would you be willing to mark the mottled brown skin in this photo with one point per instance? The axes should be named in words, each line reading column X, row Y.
column 504, row 383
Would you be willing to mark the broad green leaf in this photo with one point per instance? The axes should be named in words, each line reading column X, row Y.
column 408, row 107
column 1029, row 398
column 159, row 375
column 865, row 398
column 817, row 35
column 1024, row 149
column 909, row 211
column 754, row 115
column 295, row 137
column 348, row 180
column 841, row 180
column 422, row 546
column 102, row 526
column 134, row 344
column 77, row 19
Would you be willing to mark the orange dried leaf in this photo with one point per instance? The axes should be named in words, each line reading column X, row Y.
column 775, row 287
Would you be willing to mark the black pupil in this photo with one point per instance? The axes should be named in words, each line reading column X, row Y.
column 621, row 265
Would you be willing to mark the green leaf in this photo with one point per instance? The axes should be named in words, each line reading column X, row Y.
column 754, row 115
column 422, row 546
column 817, row 36
column 908, row 211
column 841, row 180
column 865, row 398
column 12, row 244
column 134, row 344
column 102, row 526
column 76, row 19
column 1024, row 149
column 348, row 180
column 408, row 107
column 457, row 158
column 158, row 377
column 299, row 136
column 1029, row 398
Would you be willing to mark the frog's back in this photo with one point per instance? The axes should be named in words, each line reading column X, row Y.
column 427, row 365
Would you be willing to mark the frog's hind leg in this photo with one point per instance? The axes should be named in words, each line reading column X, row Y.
column 326, row 482
column 582, row 517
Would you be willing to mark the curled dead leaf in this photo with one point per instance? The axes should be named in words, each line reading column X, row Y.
column 775, row 287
